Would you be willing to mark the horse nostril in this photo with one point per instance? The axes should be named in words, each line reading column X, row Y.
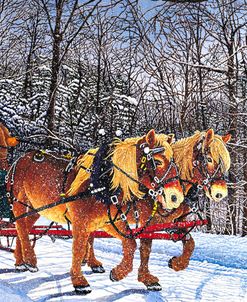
column 174, row 198
column 218, row 195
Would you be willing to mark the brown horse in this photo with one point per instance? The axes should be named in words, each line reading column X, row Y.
column 202, row 160
column 38, row 180
column 6, row 141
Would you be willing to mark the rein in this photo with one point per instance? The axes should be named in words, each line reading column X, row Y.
column 33, row 211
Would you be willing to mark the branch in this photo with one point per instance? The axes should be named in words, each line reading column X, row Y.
column 78, row 31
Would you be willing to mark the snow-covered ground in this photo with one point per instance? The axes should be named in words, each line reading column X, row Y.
column 217, row 272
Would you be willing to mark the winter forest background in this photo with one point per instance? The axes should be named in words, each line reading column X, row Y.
column 74, row 67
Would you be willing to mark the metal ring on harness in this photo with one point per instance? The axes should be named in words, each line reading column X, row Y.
column 123, row 217
column 114, row 199
column 153, row 193
column 39, row 157
column 156, row 179
column 130, row 235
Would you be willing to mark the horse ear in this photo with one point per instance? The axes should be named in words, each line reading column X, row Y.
column 209, row 136
column 226, row 138
column 12, row 141
column 170, row 138
column 150, row 138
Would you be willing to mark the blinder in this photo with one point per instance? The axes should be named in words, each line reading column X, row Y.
column 148, row 158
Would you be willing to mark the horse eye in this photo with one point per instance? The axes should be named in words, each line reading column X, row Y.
column 158, row 162
column 209, row 159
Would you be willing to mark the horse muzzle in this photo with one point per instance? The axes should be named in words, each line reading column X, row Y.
column 171, row 198
column 218, row 191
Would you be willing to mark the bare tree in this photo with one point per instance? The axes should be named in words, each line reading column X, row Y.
column 65, row 14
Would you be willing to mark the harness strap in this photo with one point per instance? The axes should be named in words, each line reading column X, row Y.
column 124, row 218
column 126, row 174
column 66, row 171
column 80, row 195
column 86, row 169
column 67, row 219
column 116, row 218
column 136, row 214
column 132, row 235
column 46, row 230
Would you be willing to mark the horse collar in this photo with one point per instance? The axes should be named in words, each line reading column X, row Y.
column 100, row 176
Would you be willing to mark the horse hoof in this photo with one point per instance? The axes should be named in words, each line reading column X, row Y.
column 170, row 262
column 112, row 278
column 82, row 290
column 21, row 268
column 31, row 268
column 98, row 269
column 154, row 287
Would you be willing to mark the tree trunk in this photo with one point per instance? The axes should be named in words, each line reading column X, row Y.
column 245, row 202
column 57, row 38
column 233, row 131
column 208, row 215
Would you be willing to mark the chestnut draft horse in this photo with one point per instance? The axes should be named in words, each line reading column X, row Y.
column 202, row 160
column 38, row 180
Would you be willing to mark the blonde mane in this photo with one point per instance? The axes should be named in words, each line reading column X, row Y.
column 82, row 175
column 220, row 153
column 123, row 156
column 183, row 153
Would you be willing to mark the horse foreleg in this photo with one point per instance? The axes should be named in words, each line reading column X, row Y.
column 19, row 261
column 181, row 262
column 79, row 249
column 144, row 275
column 92, row 262
column 128, row 248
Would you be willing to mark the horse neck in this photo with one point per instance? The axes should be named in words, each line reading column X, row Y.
column 183, row 157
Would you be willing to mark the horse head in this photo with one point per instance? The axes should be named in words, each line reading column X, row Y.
column 211, row 163
column 157, row 170
column 204, row 160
